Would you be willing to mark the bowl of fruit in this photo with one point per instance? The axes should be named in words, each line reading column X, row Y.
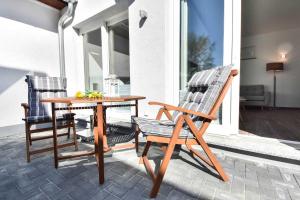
column 89, row 94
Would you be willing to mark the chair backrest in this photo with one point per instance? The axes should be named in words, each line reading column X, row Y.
column 204, row 89
column 44, row 87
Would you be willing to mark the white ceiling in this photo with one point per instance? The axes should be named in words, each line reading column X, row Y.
column 264, row 16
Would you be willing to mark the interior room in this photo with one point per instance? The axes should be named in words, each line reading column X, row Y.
column 270, row 69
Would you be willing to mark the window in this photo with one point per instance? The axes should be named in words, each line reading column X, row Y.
column 202, row 38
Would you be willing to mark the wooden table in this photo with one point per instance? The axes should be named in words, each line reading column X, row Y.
column 99, row 128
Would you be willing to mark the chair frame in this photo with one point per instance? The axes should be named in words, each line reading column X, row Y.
column 184, row 118
column 29, row 131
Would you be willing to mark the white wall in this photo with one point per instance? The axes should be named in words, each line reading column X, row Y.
column 268, row 49
column 147, row 48
column 29, row 44
column 147, row 53
column 74, row 43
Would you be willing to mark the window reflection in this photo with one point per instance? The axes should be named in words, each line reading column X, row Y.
column 202, row 38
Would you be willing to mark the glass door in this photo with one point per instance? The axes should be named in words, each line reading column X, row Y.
column 119, row 65
column 93, row 61
column 206, row 42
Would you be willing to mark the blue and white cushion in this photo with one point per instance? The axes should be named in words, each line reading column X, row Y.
column 204, row 89
column 41, row 88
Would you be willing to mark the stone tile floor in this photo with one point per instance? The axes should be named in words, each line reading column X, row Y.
column 186, row 178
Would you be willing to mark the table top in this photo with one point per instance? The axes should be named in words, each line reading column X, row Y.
column 71, row 100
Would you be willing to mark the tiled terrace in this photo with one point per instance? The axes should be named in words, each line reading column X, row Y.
column 186, row 178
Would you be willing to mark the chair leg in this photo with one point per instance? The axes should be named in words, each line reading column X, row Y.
column 213, row 159
column 162, row 170
column 69, row 131
column 29, row 137
column 27, row 141
column 136, row 141
column 146, row 149
column 74, row 135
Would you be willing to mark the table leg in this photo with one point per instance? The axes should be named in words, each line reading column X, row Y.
column 136, row 108
column 54, row 135
column 99, row 143
column 106, row 148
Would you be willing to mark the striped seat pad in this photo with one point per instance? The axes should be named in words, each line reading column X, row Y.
column 162, row 128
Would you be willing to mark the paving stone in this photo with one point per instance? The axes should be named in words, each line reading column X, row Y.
column 10, row 193
column 279, row 184
column 250, row 195
column 238, row 188
column 221, row 195
column 289, row 178
column 264, row 181
column 178, row 195
column 274, row 173
column 207, row 192
column 102, row 194
column 186, row 178
column 282, row 194
column 50, row 189
column 251, row 188
column 267, row 193
column 61, row 195
column 134, row 193
column 117, row 190
column 294, row 194
column 39, row 197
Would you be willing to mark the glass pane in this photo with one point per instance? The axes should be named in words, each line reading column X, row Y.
column 93, row 61
column 95, row 72
column 119, row 55
column 202, row 35
column 119, row 61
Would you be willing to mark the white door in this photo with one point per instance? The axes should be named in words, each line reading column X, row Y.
column 210, row 37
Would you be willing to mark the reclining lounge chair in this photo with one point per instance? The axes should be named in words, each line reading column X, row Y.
column 189, row 121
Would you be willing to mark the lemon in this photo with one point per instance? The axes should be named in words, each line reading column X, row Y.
column 79, row 94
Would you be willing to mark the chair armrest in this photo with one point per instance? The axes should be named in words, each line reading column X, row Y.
column 26, row 108
column 170, row 107
column 25, row 105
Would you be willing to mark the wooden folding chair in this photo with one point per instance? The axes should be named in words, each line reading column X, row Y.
column 189, row 121
column 38, row 115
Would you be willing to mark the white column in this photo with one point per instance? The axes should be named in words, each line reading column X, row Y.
column 105, row 51
column 111, row 44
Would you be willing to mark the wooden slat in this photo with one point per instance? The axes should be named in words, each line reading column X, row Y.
column 47, row 136
column 58, row 4
column 123, row 147
column 36, row 151
column 75, row 154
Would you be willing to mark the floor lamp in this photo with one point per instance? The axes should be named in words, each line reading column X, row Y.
column 275, row 67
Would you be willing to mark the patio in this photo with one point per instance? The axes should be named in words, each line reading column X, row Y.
column 186, row 178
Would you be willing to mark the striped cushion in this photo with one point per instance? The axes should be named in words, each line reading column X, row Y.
column 155, row 127
column 202, row 78
column 44, row 87
column 214, row 89
column 47, row 83
column 201, row 96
